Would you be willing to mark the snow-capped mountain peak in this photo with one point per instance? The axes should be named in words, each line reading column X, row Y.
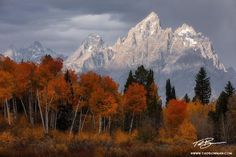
column 32, row 53
column 177, row 55
column 91, row 54
column 150, row 24
column 186, row 30
column 93, row 41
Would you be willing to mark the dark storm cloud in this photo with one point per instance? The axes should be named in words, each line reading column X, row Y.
column 63, row 24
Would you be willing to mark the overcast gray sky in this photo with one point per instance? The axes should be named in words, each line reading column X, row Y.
column 63, row 24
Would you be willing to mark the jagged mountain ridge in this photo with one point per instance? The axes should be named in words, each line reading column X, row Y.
column 32, row 53
column 177, row 55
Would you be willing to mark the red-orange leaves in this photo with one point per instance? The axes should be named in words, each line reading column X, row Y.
column 102, row 103
column 58, row 89
column 48, row 69
column 89, row 82
column 176, row 112
column 24, row 77
column 109, row 85
column 135, row 98
column 6, row 85
column 51, row 64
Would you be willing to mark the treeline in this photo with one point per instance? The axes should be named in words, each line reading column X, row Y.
column 55, row 98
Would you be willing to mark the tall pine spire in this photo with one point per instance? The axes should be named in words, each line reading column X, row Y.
column 129, row 81
column 203, row 87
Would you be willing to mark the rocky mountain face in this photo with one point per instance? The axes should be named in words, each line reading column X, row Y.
column 32, row 53
column 175, row 54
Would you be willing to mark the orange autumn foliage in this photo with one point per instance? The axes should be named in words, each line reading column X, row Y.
column 135, row 98
column 24, row 77
column 99, row 93
column 89, row 82
column 187, row 131
column 6, row 64
column 48, row 69
column 6, row 85
column 102, row 103
column 57, row 88
column 175, row 113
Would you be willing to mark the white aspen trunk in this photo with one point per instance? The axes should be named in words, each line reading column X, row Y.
column 131, row 124
column 40, row 110
column 8, row 113
column 73, row 122
column 23, row 105
column 100, row 124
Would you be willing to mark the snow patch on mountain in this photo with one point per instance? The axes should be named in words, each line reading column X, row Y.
column 90, row 55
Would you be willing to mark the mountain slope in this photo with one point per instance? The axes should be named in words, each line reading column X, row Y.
column 177, row 55
column 32, row 53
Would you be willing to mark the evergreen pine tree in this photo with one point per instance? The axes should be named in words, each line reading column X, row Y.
column 221, row 110
column 150, row 78
column 222, row 102
column 141, row 76
column 146, row 78
column 229, row 89
column 203, row 87
column 151, row 94
column 173, row 95
column 168, row 90
column 186, row 98
column 129, row 81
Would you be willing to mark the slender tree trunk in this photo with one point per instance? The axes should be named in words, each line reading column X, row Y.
column 35, row 110
column 51, row 119
column 80, row 121
column 8, row 113
column 84, row 120
column 30, row 107
column 14, row 108
column 73, row 122
column 5, row 110
column 94, row 122
column 131, row 124
column 46, row 115
column 31, row 112
column 55, row 122
column 103, row 124
column 40, row 110
column 100, row 124
column 109, row 125
column 23, row 105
